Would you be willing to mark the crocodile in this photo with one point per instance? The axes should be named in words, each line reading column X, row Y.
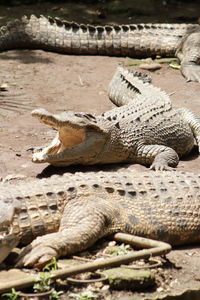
column 61, row 215
column 144, row 129
column 134, row 40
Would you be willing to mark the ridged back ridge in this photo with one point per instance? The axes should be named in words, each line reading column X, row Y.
column 73, row 182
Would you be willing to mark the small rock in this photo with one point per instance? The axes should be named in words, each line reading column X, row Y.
column 150, row 67
column 147, row 60
column 14, row 176
column 112, row 243
column 123, row 278
column 4, row 87
column 105, row 287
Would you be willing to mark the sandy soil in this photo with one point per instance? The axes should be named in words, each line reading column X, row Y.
column 79, row 83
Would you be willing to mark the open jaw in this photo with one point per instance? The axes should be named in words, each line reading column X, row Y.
column 77, row 140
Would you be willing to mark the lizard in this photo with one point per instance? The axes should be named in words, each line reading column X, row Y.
column 144, row 129
column 61, row 215
column 134, row 40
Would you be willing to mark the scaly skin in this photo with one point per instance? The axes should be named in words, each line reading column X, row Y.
column 134, row 40
column 72, row 212
column 144, row 129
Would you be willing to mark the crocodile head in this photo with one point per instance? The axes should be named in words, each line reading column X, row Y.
column 8, row 240
column 79, row 138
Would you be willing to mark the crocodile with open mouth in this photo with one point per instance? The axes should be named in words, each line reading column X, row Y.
column 144, row 129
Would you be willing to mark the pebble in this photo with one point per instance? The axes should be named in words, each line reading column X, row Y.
column 14, row 176
column 150, row 67
column 3, row 87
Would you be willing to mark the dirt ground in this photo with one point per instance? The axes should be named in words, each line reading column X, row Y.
column 67, row 82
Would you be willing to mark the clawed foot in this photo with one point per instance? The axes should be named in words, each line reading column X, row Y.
column 191, row 72
column 161, row 167
column 37, row 254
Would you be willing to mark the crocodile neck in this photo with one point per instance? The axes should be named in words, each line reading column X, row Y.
column 138, row 40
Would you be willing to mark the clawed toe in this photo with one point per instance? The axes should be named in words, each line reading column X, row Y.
column 160, row 167
column 191, row 72
column 35, row 256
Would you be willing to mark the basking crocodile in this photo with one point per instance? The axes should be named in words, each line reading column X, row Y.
column 71, row 212
column 144, row 129
column 134, row 40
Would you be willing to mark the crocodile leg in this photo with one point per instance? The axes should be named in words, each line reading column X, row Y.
column 190, row 71
column 79, row 229
column 160, row 157
column 189, row 55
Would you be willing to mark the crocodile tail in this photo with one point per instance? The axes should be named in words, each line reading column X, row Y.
column 121, row 90
column 14, row 35
column 53, row 34
column 127, row 86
